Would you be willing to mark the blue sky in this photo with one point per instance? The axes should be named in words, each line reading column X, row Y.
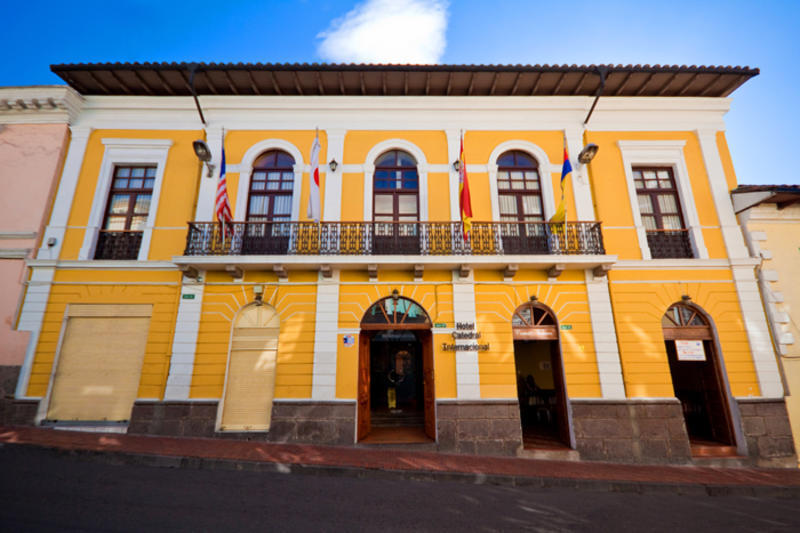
column 733, row 32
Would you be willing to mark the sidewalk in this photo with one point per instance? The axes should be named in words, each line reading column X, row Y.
column 362, row 461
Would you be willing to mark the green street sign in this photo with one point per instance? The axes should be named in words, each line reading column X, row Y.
column 566, row 326
column 188, row 296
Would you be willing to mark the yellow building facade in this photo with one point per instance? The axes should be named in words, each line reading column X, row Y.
column 633, row 331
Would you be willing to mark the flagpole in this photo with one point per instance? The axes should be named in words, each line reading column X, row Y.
column 563, row 199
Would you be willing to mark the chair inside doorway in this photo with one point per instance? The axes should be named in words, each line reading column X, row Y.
column 540, row 382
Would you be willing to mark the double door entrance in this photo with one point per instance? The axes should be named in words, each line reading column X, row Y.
column 395, row 376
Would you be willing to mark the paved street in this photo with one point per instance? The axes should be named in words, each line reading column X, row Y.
column 40, row 491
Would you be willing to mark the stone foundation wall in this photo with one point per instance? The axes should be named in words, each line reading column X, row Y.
column 767, row 431
column 175, row 419
column 19, row 412
column 8, row 383
column 476, row 427
column 315, row 423
column 631, row 431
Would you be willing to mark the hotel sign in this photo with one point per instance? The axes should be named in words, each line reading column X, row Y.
column 466, row 339
column 690, row 350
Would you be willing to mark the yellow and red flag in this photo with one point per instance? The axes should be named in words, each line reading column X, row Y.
column 464, row 201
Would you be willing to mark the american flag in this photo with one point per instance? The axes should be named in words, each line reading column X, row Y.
column 222, row 207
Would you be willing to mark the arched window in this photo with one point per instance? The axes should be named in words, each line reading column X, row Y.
column 392, row 311
column 271, row 186
column 395, row 202
column 270, row 203
column 518, row 188
column 519, row 195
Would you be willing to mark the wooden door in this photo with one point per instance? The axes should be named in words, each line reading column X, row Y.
column 363, row 385
column 561, row 392
column 427, row 383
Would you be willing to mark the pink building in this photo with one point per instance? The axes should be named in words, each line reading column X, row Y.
column 34, row 137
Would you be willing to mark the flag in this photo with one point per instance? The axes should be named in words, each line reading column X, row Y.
column 313, row 197
column 222, row 207
column 566, row 169
column 464, row 202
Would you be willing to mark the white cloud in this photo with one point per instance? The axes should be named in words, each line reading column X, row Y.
column 387, row 31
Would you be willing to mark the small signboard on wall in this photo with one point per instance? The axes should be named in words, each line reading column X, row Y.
column 690, row 350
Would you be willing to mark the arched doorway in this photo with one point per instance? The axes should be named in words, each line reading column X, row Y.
column 250, row 377
column 540, row 377
column 395, row 373
column 697, row 375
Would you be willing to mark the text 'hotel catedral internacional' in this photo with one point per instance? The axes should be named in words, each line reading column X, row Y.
column 532, row 260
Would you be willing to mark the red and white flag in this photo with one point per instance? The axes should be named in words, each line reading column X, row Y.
column 313, row 197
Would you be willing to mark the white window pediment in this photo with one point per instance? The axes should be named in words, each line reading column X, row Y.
column 122, row 152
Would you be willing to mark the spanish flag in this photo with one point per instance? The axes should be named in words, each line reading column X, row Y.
column 566, row 169
column 463, row 193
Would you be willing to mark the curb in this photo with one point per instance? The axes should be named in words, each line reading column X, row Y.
column 599, row 485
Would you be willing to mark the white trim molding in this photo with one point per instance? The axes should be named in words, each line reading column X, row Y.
column 731, row 232
column 468, row 376
column 545, row 174
column 422, row 172
column 54, row 233
column 604, row 335
column 122, row 152
column 323, row 381
column 43, row 104
column 757, row 329
column 30, row 319
column 184, row 341
column 668, row 153
column 332, row 205
column 246, row 171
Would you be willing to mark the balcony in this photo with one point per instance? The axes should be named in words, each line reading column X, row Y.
column 122, row 244
column 669, row 244
column 282, row 246
column 393, row 238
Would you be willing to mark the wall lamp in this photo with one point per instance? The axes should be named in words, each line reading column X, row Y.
column 588, row 153
column 332, row 165
column 258, row 294
column 203, row 153
column 457, row 165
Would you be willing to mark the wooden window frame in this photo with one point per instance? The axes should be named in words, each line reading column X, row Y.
column 262, row 164
column 396, row 193
column 519, row 194
column 133, row 195
column 654, row 193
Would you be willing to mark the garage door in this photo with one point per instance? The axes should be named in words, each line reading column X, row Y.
column 250, row 382
column 100, row 362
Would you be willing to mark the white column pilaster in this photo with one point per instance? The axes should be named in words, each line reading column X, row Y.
column 731, row 233
column 584, row 206
column 66, row 193
column 206, row 196
column 323, row 383
column 468, row 381
column 30, row 319
column 604, row 332
column 453, row 151
column 332, row 208
column 184, row 341
column 755, row 324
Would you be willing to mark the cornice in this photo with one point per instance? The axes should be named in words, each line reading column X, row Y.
column 45, row 104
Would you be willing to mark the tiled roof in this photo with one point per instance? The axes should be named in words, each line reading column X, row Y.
column 165, row 79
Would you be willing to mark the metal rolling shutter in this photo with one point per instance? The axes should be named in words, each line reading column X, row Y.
column 100, row 363
column 250, row 382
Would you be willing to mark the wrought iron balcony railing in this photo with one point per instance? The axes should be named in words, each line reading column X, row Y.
column 669, row 243
column 393, row 238
column 118, row 244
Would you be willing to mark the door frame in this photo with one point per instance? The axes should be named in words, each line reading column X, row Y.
column 732, row 411
column 552, row 334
